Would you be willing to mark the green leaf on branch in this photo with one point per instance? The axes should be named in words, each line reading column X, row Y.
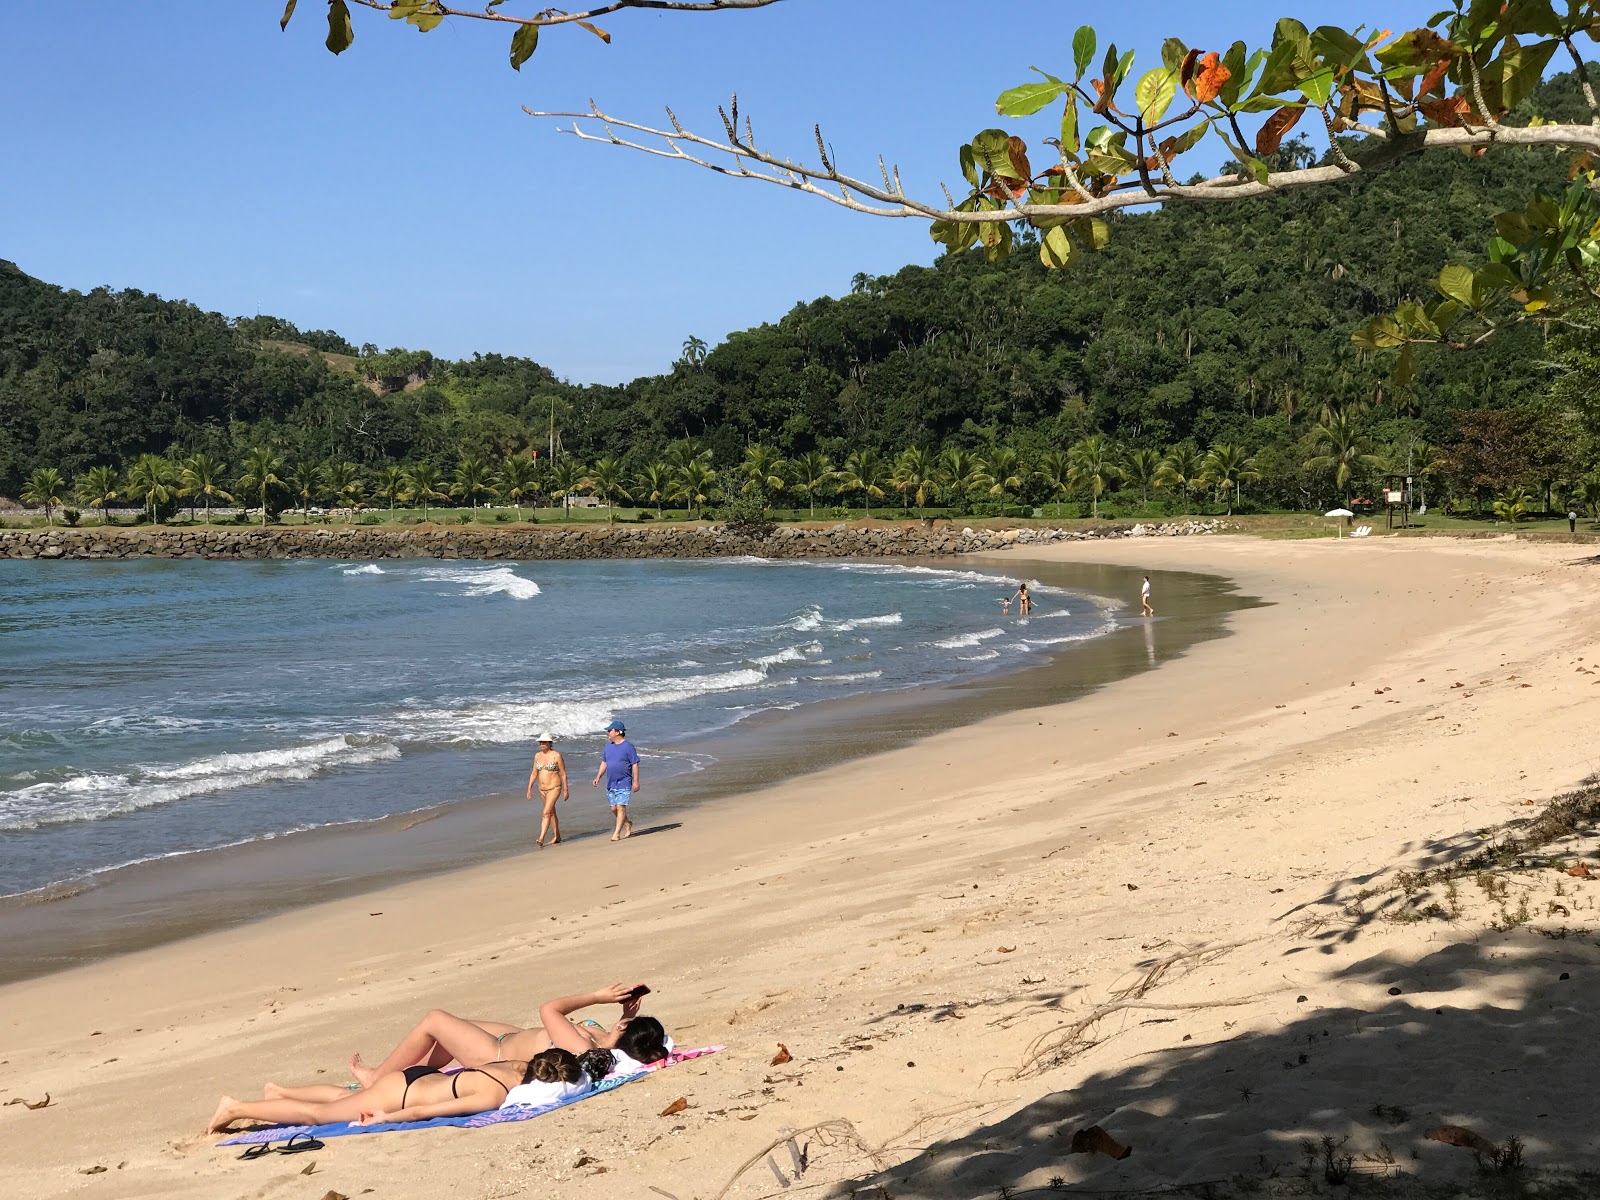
column 1083, row 49
column 340, row 32
column 1057, row 250
column 1029, row 98
column 1069, row 125
column 1380, row 333
column 969, row 166
column 1405, row 366
column 1240, row 72
column 288, row 11
column 1154, row 92
column 1093, row 232
column 1123, row 65
column 1455, row 281
column 523, row 43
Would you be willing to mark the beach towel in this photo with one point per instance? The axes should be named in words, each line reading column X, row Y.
column 498, row 1116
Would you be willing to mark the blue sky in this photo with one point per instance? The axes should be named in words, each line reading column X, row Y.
column 399, row 195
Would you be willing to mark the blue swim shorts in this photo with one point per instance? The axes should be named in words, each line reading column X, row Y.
column 618, row 796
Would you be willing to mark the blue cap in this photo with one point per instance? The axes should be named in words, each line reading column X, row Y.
column 616, row 726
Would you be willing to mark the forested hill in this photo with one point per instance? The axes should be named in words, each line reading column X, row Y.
column 1228, row 322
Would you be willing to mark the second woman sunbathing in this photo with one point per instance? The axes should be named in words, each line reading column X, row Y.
column 441, row 1037
column 421, row 1093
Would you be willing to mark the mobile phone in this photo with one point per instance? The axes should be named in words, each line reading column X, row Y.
column 638, row 993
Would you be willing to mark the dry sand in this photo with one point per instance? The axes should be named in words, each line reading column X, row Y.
column 918, row 926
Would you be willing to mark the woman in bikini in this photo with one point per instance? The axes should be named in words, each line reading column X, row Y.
column 550, row 777
column 417, row 1093
column 441, row 1037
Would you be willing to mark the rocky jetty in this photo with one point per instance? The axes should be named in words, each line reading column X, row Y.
column 917, row 539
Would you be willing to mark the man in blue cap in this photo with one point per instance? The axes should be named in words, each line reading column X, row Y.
column 619, row 763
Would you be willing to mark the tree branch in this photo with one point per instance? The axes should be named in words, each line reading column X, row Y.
column 1583, row 77
column 551, row 17
column 875, row 200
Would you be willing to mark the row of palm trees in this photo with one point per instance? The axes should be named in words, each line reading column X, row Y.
column 684, row 474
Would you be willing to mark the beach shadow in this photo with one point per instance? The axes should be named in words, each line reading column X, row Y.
column 1487, row 1035
column 649, row 829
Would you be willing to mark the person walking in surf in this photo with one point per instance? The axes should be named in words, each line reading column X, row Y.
column 1144, row 599
column 619, row 764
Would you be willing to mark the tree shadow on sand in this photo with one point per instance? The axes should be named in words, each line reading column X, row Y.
column 1491, row 1034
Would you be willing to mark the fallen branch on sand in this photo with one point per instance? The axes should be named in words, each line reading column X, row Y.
column 1055, row 1047
column 1156, row 975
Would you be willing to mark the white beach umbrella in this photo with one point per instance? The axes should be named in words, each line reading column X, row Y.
column 1339, row 512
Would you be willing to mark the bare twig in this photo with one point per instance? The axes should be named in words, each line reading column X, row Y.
column 878, row 200
column 1057, row 1046
column 1156, row 975
column 553, row 17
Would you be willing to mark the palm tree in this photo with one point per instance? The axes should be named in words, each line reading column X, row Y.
column 693, row 483
column 764, row 470
column 471, row 481
column 422, row 483
column 654, row 481
column 305, row 481
column 1055, row 468
column 565, row 478
column 606, row 478
column 1512, row 505
column 345, row 485
column 1092, row 464
column 260, row 476
column 1004, row 467
column 154, row 480
column 1142, row 469
column 201, row 475
column 516, row 480
column 914, row 476
column 1424, row 461
column 961, row 473
column 1588, row 494
column 45, row 486
column 864, row 472
column 681, row 454
column 694, row 351
column 97, row 488
column 1227, row 467
column 1341, row 448
column 390, row 483
column 1184, row 466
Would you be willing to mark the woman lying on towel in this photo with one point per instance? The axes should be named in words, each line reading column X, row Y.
column 421, row 1093
column 440, row 1037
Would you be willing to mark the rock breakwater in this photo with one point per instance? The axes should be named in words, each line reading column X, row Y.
column 922, row 539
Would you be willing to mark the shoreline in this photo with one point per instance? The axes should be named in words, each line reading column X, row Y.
column 998, row 883
column 87, row 919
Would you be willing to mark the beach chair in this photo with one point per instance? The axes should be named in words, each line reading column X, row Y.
column 1361, row 531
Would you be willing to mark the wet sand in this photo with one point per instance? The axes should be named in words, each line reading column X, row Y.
column 149, row 904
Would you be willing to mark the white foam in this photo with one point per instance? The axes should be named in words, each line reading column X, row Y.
column 856, row 678
column 483, row 581
column 967, row 640
column 788, row 654
column 806, row 621
column 94, row 796
column 865, row 622
column 369, row 569
column 983, row 657
column 501, row 723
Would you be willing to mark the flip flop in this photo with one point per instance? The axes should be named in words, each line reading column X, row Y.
column 256, row 1151
column 300, row 1143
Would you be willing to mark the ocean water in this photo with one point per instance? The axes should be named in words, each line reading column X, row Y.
column 157, row 708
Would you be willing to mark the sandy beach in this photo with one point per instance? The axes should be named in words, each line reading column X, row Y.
column 1202, row 857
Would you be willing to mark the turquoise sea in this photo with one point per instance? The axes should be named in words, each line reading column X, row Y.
column 158, row 708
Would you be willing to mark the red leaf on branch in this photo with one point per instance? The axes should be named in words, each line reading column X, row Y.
column 1449, row 112
column 1278, row 124
column 1213, row 76
column 1434, row 77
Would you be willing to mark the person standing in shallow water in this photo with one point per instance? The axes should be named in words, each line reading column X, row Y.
column 619, row 764
column 1144, row 599
column 550, row 777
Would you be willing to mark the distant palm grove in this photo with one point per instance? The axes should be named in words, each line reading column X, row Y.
column 1201, row 362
